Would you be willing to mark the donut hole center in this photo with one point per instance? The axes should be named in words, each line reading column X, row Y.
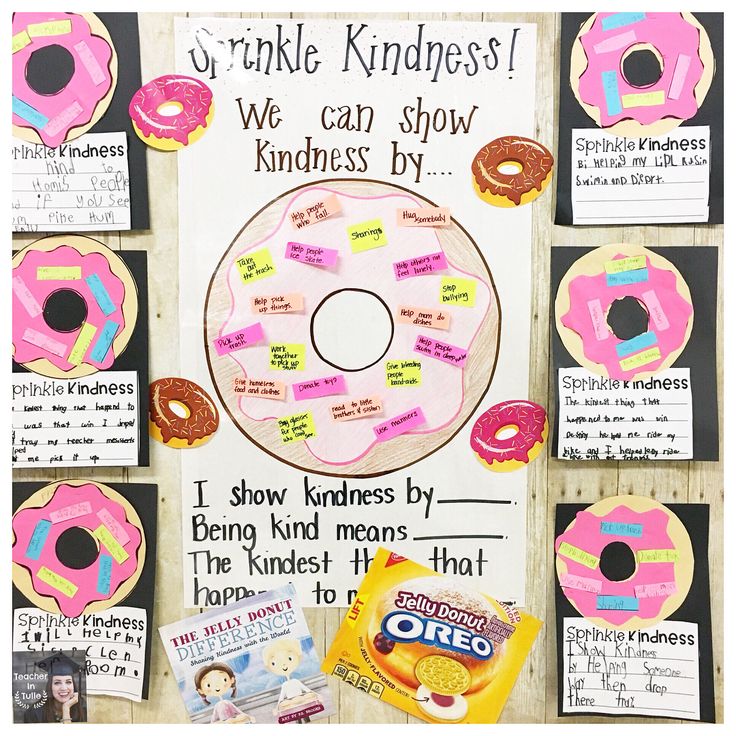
column 642, row 65
column 444, row 701
column 76, row 548
column 627, row 318
column 510, row 167
column 352, row 329
column 506, row 432
column 64, row 310
column 49, row 69
column 617, row 562
column 181, row 410
column 169, row 108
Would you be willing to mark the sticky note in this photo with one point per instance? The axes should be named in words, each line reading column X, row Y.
column 627, row 277
column 313, row 254
column 609, row 80
column 643, row 358
column 458, row 291
column 83, row 341
column 49, row 28
column 296, row 427
column 315, row 212
column 25, row 297
column 367, row 235
column 104, row 341
column 618, row 20
column 256, row 266
column 420, row 266
column 113, row 546
column 678, row 76
column 260, row 387
column 656, row 313
column 632, row 263
column 617, row 603
column 443, row 351
column 317, row 387
column 403, row 373
column 643, row 99
column 277, row 303
column 423, row 217
column 73, row 511
column 66, row 116
column 598, row 319
column 627, row 347
column 243, row 338
column 38, row 539
column 287, row 357
column 46, row 342
column 621, row 529
column 621, row 41
column 350, row 409
column 56, row 581
column 100, row 294
column 29, row 114
column 59, row 273
column 104, row 573
column 655, row 590
column 437, row 319
column 113, row 526
column 657, row 555
column 581, row 583
column 399, row 425
column 20, row 41
column 579, row 555
column 85, row 55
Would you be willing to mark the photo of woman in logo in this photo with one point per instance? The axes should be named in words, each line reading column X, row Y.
column 63, row 701
column 282, row 658
column 214, row 681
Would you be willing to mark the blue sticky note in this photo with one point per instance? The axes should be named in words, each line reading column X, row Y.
column 621, row 529
column 100, row 294
column 104, row 341
column 29, row 114
column 610, row 90
column 104, row 573
column 38, row 539
column 619, row 20
column 627, row 277
column 617, row 603
column 645, row 340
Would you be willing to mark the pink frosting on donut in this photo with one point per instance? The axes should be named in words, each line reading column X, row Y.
column 670, row 332
column 24, row 524
column 23, row 319
column 89, row 84
column 676, row 40
column 195, row 98
column 529, row 417
column 585, row 534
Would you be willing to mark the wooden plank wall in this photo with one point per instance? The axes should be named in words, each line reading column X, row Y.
column 534, row 698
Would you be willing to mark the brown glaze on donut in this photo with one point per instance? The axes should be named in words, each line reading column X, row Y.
column 536, row 162
column 203, row 417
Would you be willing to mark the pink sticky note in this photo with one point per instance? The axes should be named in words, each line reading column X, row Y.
column 423, row 217
column 678, row 77
column 580, row 583
column 71, row 512
column 277, row 303
column 399, row 425
column 356, row 408
column 34, row 337
column 239, row 339
column 315, row 212
column 655, row 310
column 29, row 302
column 622, row 41
column 63, row 119
column 90, row 63
column 655, row 590
column 438, row 319
column 598, row 319
column 441, row 351
column 312, row 254
column 420, row 266
column 113, row 526
column 328, row 386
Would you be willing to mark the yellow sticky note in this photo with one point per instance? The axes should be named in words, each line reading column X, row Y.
column 58, row 273
column 643, row 99
column 657, row 555
column 255, row 266
column 367, row 235
column 634, row 361
column 56, row 581
column 296, row 427
column 82, row 343
column 49, row 28
column 287, row 356
column 403, row 373
column 458, row 291
column 20, row 41
column 579, row 555
column 113, row 546
column 626, row 264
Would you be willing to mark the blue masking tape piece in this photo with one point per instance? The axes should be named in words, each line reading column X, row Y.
column 100, row 293
column 104, row 573
column 104, row 341
column 610, row 90
column 29, row 114
column 38, row 539
column 619, row 20
column 621, row 529
column 645, row 340
column 627, row 277
column 617, row 603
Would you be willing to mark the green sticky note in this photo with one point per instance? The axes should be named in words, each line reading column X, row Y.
column 403, row 373
column 632, row 263
column 458, row 291
column 657, row 555
column 367, row 235
column 296, row 427
column 56, row 581
column 82, row 343
column 58, row 273
column 643, row 358
column 579, row 555
column 287, row 356
column 256, row 266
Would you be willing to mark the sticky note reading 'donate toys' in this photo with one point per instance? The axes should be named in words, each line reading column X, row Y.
column 458, row 291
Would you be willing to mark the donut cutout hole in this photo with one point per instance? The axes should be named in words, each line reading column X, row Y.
column 642, row 65
column 49, row 70
column 352, row 329
column 181, row 410
column 76, row 548
column 169, row 108
column 506, row 432
column 511, row 167
column 618, row 562
column 64, row 310
column 627, row 318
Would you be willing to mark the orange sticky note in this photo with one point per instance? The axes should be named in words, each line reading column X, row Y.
column 262, row 388
column 349, row 409
column 314, row 212
column 422, row 317
column 423, row 217
column 277, row 303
